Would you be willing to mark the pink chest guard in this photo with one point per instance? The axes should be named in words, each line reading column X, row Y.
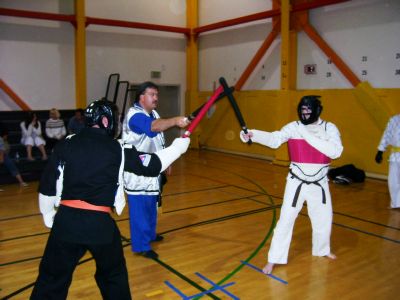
column 302, row 152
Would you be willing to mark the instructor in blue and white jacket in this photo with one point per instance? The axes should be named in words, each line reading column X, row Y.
column 312, row 143
column 143, row 128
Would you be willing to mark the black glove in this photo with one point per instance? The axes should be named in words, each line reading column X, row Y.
column 378, row 157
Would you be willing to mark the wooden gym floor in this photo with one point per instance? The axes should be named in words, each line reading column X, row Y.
column 219, row 210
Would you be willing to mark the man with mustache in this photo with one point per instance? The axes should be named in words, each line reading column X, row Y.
column 143, row 128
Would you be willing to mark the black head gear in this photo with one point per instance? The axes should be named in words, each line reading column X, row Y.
column 98, row 109
column 314, row 105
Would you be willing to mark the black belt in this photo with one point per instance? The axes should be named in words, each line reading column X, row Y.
column 296, row 195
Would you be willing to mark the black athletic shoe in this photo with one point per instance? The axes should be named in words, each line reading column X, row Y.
column 158, row 238
column 149, row 254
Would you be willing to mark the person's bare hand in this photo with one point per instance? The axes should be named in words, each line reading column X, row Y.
column 182, row 122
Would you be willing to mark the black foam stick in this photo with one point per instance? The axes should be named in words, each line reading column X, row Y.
column 228, row 92
column 196, row 112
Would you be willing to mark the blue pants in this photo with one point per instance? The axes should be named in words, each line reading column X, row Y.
column 143, row 221
column 9, row 164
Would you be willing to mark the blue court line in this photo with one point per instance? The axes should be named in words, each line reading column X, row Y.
column 211, row 290
column 184, row 297
column 259, row 270
column 216, row 285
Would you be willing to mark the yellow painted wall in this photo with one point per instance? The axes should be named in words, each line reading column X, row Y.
column 270, row 110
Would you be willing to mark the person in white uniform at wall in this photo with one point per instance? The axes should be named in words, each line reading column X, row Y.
column 31, row 135
column 312, row 143
column 391, row 136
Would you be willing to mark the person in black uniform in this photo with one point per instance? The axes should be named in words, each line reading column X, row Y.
column 84, row 178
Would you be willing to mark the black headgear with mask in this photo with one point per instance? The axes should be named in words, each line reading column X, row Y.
column 314, row 105
column 98, row 109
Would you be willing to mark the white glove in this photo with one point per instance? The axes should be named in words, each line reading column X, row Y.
column 59, row 186
column 49, row 218
column 181, row 144
column 120, row 201
column 173, row 152
column 245, row 137
column 257, row 136
column 47, row 208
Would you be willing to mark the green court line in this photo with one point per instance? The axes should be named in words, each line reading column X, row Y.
column 269, row 233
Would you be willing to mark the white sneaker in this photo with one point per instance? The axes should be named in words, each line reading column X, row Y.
column 24, row 184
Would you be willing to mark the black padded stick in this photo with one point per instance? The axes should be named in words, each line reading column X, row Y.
column 229, row 94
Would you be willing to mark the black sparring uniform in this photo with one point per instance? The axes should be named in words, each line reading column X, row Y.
column 91, row 161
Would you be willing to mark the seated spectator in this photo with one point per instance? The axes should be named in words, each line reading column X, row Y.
column 5, row 158
column 55, row 129
column 31, row 131
column 77, row 122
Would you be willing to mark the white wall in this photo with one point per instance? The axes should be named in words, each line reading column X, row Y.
column 134, row 53
column 37, row 57
column 212, row 11
column 227, row 52
column 353, row 29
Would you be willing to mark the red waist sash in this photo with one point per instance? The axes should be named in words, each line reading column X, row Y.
column 84, row 205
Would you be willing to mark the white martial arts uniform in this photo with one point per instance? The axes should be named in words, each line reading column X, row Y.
column 391, row 137
column 32, row 135
column 311, row 147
